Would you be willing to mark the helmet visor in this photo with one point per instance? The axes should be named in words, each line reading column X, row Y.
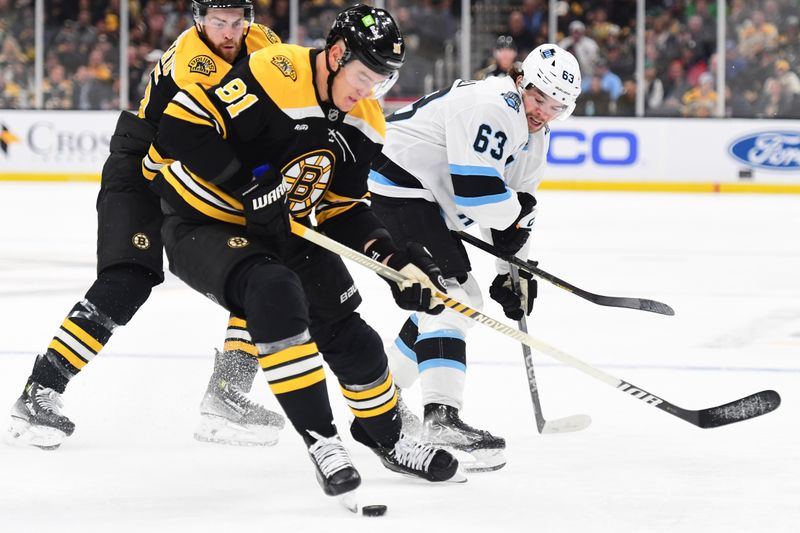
column 367, row 81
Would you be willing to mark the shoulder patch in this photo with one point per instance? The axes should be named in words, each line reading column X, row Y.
column 513, row 100
column 271, row 35
column 285, row 65
column 202, row 64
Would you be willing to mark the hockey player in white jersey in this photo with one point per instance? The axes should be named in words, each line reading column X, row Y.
column 472, row 153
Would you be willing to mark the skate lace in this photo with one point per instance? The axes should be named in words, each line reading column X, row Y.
column 240, row 398
column 329, row 453
column 49, row 400
column 414, row 454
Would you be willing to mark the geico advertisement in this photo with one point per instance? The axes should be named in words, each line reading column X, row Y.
column 674, row 150
column 55, row 141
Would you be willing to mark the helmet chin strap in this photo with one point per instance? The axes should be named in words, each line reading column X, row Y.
column 331, row 74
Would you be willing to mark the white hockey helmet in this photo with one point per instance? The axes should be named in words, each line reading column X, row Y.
column 556, row 73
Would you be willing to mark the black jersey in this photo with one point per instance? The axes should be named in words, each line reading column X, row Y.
column 266, row 111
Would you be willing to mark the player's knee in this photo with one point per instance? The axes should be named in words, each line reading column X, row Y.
column 121, row 290
column 274, row 303
column 352, row 349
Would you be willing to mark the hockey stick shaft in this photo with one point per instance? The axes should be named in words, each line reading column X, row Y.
column 742, row 409
column 642, row 304
column 527, row 355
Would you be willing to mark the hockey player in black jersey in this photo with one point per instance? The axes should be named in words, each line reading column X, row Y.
column 294, row 129
column 129, row 248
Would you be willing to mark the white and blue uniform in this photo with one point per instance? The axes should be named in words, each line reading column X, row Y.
column 468, row 151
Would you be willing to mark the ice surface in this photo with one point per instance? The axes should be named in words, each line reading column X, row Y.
column 728, row 264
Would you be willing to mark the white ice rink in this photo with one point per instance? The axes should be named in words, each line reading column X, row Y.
column 728, row 264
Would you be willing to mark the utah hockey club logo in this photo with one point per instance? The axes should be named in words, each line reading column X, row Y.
column 308, row 177
column 202, row 64
column 6, row 138
column 237, row 242
column 141, row 241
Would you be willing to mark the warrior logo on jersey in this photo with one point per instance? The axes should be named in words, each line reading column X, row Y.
column 308, row 177
column 285, row 66
column 202, row 64
column 512, row 99
column 141, row 241
column 237, row 242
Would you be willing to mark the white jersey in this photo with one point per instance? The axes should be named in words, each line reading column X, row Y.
column 468, row 149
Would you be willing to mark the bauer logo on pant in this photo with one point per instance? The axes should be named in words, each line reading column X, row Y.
column 141, row 241
column 238, row 242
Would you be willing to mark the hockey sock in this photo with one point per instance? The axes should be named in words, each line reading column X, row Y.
column 238, row 363
column 375, row 408
column 402, row 359
column 293, row 368
column 112, row 300
column 442, row 362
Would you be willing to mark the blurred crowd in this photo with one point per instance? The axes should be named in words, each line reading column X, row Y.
column 762, row 55
column 762, row 50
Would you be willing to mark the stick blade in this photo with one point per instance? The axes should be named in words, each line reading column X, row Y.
column 656, row 307
column 567, row 424
column 745, row 408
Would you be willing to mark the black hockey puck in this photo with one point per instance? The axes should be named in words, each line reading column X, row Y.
column 373, row 510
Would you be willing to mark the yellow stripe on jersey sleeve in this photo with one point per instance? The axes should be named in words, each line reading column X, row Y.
column 198, row 203
column 201, row 98
column 178, row 111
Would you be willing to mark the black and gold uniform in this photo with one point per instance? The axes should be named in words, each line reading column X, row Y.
column 267, row 113
column 129, row 246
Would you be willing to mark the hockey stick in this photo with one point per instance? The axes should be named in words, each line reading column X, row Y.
column 641, row 304
column 559, row 425
column 745, row 408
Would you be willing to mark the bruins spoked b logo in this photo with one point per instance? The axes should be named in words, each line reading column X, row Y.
column 141, row 241
column 308, row 177
column 237, row 242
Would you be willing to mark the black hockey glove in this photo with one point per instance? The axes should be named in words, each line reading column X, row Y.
column 263, row 200
column 515, row 305
column 415, row 263
column 511, row 240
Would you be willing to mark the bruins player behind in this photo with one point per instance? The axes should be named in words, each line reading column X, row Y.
column 294, row 129
column 129, row 248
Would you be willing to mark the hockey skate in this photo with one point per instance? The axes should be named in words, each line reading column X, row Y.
column 36, row 418
column 412, row 425
column 227, row 416
column 443, row 427
column 413, row 458
column 335, row 471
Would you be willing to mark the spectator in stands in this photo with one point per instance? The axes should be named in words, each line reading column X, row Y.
column 756, row 35
column 595, row 101
column 700, row 101
column 583, row 47
column 789, row 40
column 788, row 78
column 524, row 39
column 503, row 57
column 56, row 89
column 611, row 83
column 623, row 65
column 675, row 86
column 653, row 90
column 534, row 15
column 626, row 103
column 774, row 103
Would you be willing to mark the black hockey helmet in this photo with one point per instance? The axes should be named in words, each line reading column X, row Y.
column 200, row 8
column 371, row 35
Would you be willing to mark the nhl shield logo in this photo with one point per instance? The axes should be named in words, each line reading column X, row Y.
column 202, row 64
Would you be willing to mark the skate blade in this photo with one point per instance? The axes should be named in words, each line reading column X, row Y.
column 21, row 432
column 349, row 501
column 482, row 460
column 219, row 430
